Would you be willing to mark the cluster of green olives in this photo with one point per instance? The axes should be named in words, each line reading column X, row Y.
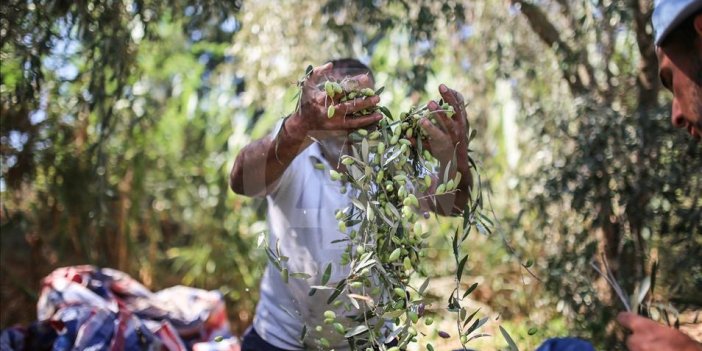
column 392, row 181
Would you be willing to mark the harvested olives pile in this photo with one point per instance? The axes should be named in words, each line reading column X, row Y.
column 391, row 181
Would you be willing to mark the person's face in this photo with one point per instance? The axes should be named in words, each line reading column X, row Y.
column 355, row 80
column 680, row 70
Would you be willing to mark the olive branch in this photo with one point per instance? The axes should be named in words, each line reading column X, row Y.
column 392, row 182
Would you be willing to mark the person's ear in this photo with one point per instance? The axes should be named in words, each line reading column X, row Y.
column 697, row 23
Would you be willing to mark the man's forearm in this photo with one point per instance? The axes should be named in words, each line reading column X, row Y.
column 259, row 165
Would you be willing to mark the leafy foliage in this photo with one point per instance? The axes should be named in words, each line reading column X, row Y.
column 115, row 148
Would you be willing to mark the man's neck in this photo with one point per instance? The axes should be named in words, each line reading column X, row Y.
column 332, row 150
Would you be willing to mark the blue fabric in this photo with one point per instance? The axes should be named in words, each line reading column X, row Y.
column 565, row 344
column 39, row 336
column 254, row 342
column 668, row 14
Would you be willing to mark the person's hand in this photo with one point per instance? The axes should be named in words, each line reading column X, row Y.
column 314, row 103
column 449, row 135
column 649, row 335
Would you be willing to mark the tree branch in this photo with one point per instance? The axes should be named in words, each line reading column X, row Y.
column 576, row 70
column 647, row 79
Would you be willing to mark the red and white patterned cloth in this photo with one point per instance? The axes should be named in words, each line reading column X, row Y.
column 92, row 308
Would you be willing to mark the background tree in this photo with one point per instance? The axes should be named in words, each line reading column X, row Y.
column 629, row 183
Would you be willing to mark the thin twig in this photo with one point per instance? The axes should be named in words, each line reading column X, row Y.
column 506, row 242
column 612, row 283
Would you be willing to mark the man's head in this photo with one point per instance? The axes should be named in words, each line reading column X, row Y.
column 335, row 144
column 350, row 67
column 678, row 27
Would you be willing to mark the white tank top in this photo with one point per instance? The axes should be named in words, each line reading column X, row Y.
column 301, row 220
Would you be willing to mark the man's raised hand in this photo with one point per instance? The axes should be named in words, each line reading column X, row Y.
column 312, row 114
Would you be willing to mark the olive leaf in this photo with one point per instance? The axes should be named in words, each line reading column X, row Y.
column 300, row 275
column 322, row 287
column 272, row 258
column 364, row 150
column 327, row 274
column 461, row 264
column 356, row 331
column 354, row 303
column 303, row 335
column 384, row 109
column 510, row 342
column 640, row 293
column 470, row 318
column 470, row 289
column 424, row 286
column 477, row 324
column 339, row 288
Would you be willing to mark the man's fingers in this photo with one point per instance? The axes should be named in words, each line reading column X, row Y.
column 453, row 97
column 318, row 73
column 433, row 131
column 456, row 100
column 425, row 144
column 360, row 122
column 625, row 319
column 635, row 322
column 321, row 98
column 322, row 71
column 356, row 105
column 443, row 120
column 631, row 344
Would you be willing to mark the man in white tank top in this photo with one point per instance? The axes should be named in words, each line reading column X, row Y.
column 291, row 168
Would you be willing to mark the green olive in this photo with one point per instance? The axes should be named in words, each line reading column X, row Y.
column 329, row 314
column 329, row 88
column 395, row 255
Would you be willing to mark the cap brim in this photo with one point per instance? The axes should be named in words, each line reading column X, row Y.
column 669, row 14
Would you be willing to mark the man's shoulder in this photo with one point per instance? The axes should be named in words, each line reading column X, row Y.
column 301, row 169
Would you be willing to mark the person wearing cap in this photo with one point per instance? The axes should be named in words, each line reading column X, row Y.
column 678, row 39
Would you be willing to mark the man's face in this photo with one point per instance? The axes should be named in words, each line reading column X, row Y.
column 356, row 80
column 680, row 70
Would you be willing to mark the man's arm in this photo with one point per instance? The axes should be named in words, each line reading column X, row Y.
column 259, row 165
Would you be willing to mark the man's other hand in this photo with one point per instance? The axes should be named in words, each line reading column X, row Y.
column 449, row 134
